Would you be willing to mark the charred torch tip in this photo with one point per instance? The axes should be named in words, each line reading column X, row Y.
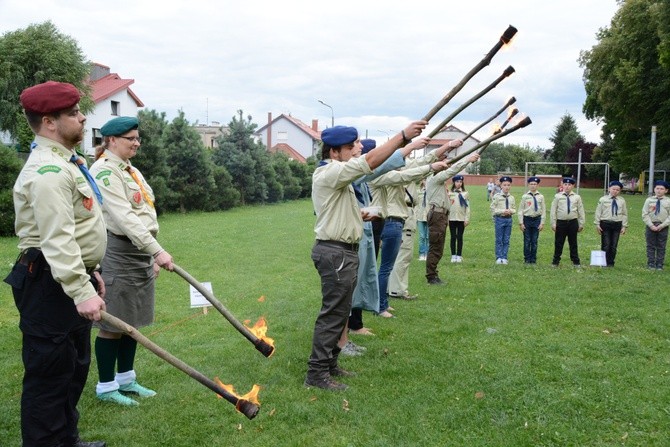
column 508, row 71
column 265, row 348
column 508, row 34
column 524, row 122
column 511, row 101
column 249, row 409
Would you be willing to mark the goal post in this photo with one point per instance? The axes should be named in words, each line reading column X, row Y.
column 606, row 178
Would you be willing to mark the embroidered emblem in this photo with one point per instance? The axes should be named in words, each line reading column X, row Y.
column 81, row 180
column 137, row 197
column 105, row 173
column 105, row 181
column 87, row 202
column 49, row 168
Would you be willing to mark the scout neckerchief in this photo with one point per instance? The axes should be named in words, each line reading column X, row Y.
column 137, row 179
column 81, row 164
column 615, row 207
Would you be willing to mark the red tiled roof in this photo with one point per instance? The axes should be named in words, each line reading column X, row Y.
column 108, row 85
column 288, row 150
column 315, row 135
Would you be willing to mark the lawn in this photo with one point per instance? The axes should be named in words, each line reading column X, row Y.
column 502, row 356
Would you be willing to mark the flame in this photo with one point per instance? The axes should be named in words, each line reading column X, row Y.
column 251, row 396
column 496, row 129
column 517, row 119
column 509, row 45
column 259, row 330
column 511, row 111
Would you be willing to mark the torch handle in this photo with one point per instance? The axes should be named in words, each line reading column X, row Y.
column 177, row 363
column 511, row 101
column 508, row 71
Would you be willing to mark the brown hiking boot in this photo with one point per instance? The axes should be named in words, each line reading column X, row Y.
column 325, row 384
column 339, row 372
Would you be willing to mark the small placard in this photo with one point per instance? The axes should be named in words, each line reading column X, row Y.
column 197, row 298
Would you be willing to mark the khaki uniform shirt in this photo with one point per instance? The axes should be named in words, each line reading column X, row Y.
column 58, row 212
column 459, row 212
column 527, row 206
column 498, row 204
column 559, row 208
column 436, row 192
column 649, row 215
column 389, row 190
column 604, row 210
column 338, row 216
column 126, row 211
column 421, row 208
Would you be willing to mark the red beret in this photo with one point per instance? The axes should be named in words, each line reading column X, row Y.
column 49, row 97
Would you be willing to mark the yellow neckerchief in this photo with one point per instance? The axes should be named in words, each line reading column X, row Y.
column 136, row 177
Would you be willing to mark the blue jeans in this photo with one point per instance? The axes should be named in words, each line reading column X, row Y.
column 422, row 227
column 391, row 240
column 503, row 226
column 530, row 237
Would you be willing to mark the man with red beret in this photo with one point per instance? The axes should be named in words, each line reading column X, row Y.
column 56, row 287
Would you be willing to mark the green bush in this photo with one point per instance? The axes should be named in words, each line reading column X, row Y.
column 11, row 167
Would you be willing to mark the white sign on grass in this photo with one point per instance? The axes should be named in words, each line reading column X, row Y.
column 197, row 298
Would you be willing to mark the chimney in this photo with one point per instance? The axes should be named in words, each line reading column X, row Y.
column 269, row 137
column 315, row 125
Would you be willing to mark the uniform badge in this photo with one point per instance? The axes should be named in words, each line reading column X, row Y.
column 137, row 197
column 87, row 202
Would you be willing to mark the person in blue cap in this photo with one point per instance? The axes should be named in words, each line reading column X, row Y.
column 611, row 220
column 338, row 229
column 503, row 207
column 132, row 260
column 567, row 220
column 656, row 217
column 531, row 214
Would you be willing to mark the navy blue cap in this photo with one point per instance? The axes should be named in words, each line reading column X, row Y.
column 339, row 135
column 457, row 177
column 368, row 145
column 662, row 183
column 534, row 179
column 569, row 180
column 616, row 183
column 505, row 178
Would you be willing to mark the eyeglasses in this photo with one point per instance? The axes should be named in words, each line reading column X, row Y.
column 133, row 139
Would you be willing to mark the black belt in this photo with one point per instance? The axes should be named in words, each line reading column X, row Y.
column 28, row 259
column 345, row 245
column 120, row 237
column 395, row 219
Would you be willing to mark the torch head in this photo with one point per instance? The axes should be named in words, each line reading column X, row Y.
column 264, row 347
column 508, row 34
column 250, row 410
column 508, row 71
column 511, row 101
column 524, row 122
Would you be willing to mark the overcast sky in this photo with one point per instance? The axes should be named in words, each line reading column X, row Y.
column 378, row 64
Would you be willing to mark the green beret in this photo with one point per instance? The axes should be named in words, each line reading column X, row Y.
column 119, row 126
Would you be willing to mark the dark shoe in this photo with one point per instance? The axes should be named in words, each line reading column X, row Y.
column 435, row 282
column 81, row 443
column 407, row 297
column 339, row 372
column 325, row 384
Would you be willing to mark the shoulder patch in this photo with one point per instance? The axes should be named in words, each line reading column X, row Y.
column 105, row 173
column 49, row 168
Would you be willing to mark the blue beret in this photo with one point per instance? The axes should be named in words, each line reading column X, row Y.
column 339, row 135
column 49, row 97
column 569, row 180
column 616, row 183
column 663, row 183
column 457, row 177
column 505, row 178
column 119, row 126
column 368, row 145
column 534, row 179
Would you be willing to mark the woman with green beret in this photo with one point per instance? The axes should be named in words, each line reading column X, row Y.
column 132, row 260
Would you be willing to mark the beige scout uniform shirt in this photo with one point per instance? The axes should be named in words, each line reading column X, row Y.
column 338, row 216
column 527, row 206
column 559, row 208
column 498, row 204
column 126, row 211
column 57, row 212
column 459, row 212
column 604, row 210
column 436, row 192
column 389, row 190
column 649, row 215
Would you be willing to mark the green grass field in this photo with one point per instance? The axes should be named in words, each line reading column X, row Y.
column 502, row 356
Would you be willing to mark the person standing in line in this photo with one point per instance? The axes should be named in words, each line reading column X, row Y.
column 656, row 217
column 496, row 190
column 459, row 217
column 421, row 224
column 503, row 207
column 489, row 189
column 398, row 284
column 611, row 221
column 438, row 213
column 531, row 215
column 56, row 283
column 132, row 260
column 567, row 220
column 338, row 229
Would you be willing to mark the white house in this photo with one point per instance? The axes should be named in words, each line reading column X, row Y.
column 291, row 136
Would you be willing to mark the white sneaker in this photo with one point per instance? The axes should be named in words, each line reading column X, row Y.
column 459, row 259
column 422, row 257
column 499, row 261
column 504, row 261
column 454, row 258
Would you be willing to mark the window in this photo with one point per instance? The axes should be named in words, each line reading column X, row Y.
column 97, row 138
column 282, row 135
column 116, row 108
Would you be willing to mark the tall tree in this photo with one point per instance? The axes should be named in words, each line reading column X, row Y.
column 33, row 55
column 191, row 176
column 564, row 137
column 152, row 157
column 500, row 157
column 627, row 81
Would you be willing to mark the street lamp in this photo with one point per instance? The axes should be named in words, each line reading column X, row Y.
column 332, row 114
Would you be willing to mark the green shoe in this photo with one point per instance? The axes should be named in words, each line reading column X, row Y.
column 117, row 398
column 135, row 388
